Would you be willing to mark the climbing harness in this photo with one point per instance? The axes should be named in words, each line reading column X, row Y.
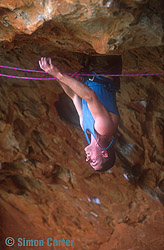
column 109, row 84
column 70, row 74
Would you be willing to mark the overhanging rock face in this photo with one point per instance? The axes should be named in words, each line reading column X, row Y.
column 104, row 27
column 47, row 190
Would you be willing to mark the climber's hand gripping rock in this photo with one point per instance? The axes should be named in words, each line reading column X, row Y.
column 48, row 67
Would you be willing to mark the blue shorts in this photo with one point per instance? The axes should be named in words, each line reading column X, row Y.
column 105, row 96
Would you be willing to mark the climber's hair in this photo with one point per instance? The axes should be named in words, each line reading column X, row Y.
column 108, row 162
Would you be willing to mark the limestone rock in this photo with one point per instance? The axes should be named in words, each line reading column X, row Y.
column 85, row 26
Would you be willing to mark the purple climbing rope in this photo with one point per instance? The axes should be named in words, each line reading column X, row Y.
column 29, row 78
column 74, row 74
column 29, row 70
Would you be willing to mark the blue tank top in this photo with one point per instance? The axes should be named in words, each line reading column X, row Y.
column 107, row 98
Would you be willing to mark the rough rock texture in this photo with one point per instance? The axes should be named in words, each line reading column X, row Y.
column 46, row 187
column 84, row 25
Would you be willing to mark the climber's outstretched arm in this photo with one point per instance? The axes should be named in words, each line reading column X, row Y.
column 67, row 90
column 75, row 98
column 76, row 86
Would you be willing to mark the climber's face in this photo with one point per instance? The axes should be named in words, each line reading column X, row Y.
column 95, row 156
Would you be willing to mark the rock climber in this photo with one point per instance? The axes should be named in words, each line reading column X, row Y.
column 97, row 110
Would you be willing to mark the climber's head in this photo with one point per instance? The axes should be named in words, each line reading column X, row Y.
column 99, row 159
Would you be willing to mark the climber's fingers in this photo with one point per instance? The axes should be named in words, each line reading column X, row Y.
column 42, row 61
column 50, row 61
column 44, row 64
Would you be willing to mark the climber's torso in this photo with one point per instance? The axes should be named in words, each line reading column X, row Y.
column 115, row 120
column 106, row 104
